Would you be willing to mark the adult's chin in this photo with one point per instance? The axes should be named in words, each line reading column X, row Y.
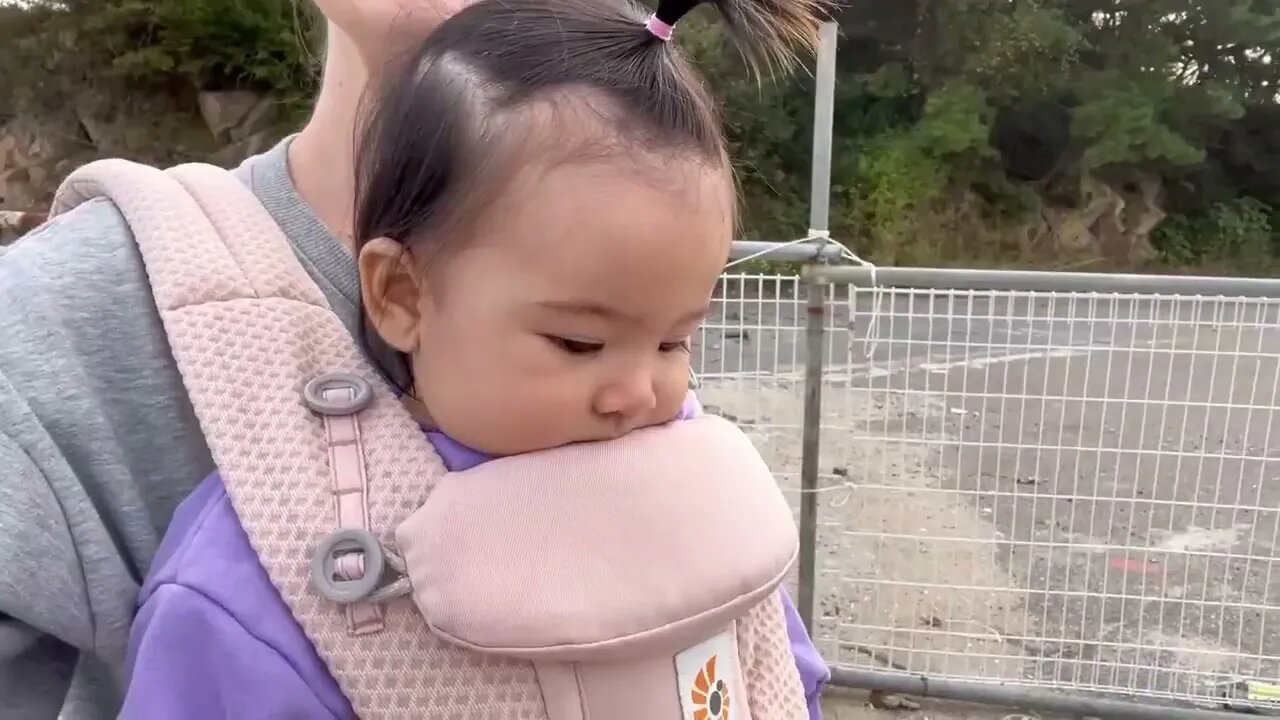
column 382, row 28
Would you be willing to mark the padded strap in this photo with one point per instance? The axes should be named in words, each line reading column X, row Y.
column 250, row 235
column 210, row 187
column 136, row 189
column 243, row 256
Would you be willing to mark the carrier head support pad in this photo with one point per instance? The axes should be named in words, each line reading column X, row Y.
column 643, row 544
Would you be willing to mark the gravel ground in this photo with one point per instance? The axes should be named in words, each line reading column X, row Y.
column 851, row 705
column 852, row 542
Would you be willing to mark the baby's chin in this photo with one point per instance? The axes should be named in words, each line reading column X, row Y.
column 519, row 441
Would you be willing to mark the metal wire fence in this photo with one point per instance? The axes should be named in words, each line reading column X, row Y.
column 1069, row 488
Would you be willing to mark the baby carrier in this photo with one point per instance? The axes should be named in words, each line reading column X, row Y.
column 632, row 579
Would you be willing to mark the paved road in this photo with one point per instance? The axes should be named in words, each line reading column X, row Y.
column 1116, row 461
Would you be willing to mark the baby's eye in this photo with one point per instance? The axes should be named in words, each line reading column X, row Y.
column 683, row 345
column 575, row 347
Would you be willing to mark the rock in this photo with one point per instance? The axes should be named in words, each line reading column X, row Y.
column 14, row 224
column 1132, row 213
column 882, row 700
column 259, row 118
column 1114, row 222
column 223, row 111
column 1070, row 231
column 1144, row 208
column 234, row 153
column 37, row 175
column 24, row 155
column 1143, row 215
column 86, row 113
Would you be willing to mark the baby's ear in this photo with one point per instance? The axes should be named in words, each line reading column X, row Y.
column 390, row 292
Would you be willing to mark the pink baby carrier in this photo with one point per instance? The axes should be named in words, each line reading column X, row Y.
column 632, row 580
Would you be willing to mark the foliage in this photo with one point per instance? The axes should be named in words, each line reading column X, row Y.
column 1243, row 232
column 1122, row 122
column 263, row 45
column 996, row 98
column 215, row 44
column 956, row 120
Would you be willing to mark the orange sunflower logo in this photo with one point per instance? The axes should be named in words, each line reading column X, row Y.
column 710, row 694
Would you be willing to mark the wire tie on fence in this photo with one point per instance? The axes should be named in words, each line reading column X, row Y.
column 824, row 238
column 877, row 299
column 848, row 494
column 847, row 486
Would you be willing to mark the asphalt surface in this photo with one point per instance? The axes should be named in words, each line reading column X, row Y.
column 1075, row 491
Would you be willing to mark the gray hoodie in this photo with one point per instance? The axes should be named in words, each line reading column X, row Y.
column 98, row 441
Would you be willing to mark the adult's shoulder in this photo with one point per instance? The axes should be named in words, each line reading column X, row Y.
column 70, row 284
column 85, row 244
column 103, row 441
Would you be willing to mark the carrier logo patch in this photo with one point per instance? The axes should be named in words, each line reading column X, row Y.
column 706, row 679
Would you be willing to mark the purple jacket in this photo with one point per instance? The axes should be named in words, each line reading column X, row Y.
column 213, row 638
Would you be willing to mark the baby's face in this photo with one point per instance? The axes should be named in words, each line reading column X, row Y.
column 568, row 316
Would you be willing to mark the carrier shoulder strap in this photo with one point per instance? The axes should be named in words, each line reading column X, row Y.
column 300, row 425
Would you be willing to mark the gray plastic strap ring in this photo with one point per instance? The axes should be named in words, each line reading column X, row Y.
column 313, row 393
column 322, row 571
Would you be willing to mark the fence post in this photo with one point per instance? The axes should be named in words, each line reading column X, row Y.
column 815, row 352
column 815, row 325
column 824, row 102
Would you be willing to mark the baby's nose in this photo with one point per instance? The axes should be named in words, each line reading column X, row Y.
column 627, row 397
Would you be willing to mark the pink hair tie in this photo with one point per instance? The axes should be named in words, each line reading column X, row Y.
column 660, row 30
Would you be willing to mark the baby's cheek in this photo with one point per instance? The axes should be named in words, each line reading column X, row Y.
column 672, row 393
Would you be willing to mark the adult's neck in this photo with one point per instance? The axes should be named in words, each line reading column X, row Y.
column 322, row 156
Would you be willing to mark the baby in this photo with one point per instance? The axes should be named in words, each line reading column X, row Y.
column 544, row 206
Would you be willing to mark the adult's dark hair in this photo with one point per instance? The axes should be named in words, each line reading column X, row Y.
column 495, row 83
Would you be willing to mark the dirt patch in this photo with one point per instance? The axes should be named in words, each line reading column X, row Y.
column 851, row 705
column 907, row 569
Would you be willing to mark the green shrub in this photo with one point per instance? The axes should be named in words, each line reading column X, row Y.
column 214, row 44
column 1241, row 232
column 263, row 45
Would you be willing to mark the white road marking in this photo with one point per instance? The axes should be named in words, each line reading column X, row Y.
column 979, row 363
column 1197, row 539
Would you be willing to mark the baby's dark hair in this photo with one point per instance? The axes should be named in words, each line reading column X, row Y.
column 450, row 122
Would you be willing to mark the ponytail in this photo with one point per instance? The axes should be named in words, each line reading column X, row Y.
column 766, row 32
